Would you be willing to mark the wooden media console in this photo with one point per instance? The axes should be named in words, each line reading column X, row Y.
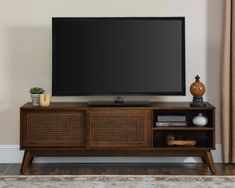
column 74, row 129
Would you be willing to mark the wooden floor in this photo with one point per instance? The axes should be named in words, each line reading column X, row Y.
column 117, row 169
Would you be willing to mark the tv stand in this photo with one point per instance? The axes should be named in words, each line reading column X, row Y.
column 117, row 104
column 76, row 129
column 118, row 100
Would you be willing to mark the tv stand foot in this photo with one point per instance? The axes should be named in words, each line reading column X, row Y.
column 26, row 162
column 209, row 161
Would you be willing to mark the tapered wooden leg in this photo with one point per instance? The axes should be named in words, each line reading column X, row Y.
column 210, row 162
column 27, row 160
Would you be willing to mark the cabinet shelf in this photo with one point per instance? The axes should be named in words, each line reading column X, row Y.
column 183, row 128
column 183, row 148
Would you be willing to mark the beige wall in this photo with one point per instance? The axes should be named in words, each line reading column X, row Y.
column 25, row 47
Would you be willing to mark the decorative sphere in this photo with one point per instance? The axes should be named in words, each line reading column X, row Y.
column 197, row 89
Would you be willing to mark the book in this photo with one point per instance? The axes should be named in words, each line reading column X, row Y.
column 171, row 118
column 171, row 124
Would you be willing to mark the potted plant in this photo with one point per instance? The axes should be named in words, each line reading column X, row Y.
column 35, row 95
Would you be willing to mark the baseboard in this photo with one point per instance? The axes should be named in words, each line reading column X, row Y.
column 12, row 154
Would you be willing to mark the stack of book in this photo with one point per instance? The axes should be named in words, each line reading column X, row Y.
column 171, row 121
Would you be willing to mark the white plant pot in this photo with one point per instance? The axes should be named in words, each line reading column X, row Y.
column 200, row 120
column 35, row 99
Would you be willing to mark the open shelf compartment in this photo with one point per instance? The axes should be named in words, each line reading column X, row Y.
column 203, row 138
column 189, row 115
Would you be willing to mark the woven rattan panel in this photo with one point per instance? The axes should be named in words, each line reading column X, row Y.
column 46, row 128
column 118, row 129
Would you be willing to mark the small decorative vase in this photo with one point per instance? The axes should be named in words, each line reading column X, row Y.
column 45, row 100
column 200, row 120
column 35, row 99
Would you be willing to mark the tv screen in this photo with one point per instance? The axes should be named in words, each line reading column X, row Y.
column 118, row 56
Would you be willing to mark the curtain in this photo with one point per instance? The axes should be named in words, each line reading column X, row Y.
column 228, row 84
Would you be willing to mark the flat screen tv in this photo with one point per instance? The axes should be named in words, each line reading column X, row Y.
column 118, row 56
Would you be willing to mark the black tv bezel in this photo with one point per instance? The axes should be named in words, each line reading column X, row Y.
column 178, row 93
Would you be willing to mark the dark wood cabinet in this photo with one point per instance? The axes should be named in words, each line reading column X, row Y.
column 119, row 128
column 53, row 129
column 74, row 129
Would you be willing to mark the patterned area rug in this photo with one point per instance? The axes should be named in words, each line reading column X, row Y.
column 116, row 181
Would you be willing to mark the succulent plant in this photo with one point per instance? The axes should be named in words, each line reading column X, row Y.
column 37, row 90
